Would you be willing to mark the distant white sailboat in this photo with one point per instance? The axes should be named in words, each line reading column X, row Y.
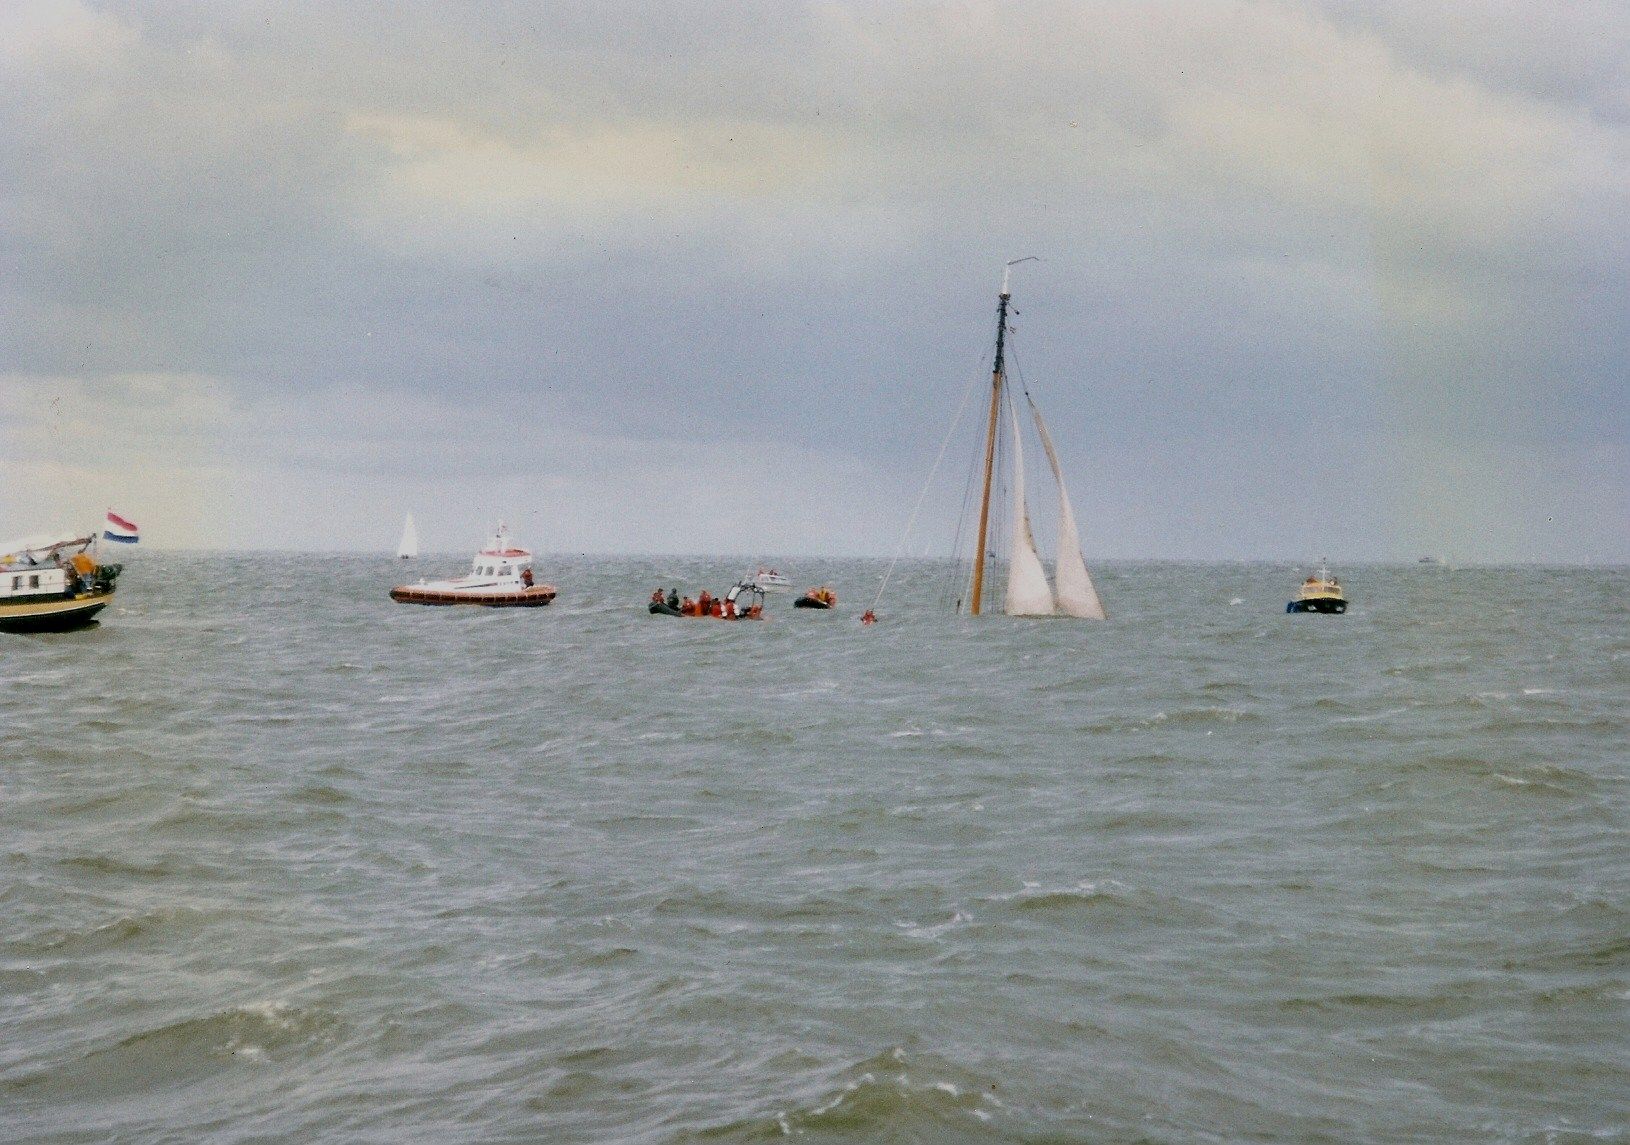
column 1028, row 593
column 408, row 547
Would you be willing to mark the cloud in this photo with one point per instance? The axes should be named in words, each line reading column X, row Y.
column 38, row 37
column 149, row 445
column 454, row 189
column 771, row 233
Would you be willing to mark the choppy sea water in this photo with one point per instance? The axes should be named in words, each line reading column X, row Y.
column 283, row 861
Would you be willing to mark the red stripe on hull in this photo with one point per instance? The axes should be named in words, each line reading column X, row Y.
column 535, row 597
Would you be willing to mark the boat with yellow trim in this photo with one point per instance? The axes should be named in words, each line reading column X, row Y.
column 53, row 583
column 1320, row 592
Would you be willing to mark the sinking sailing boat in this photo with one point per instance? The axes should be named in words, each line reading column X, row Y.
column 1028, row 593
column 408, row 547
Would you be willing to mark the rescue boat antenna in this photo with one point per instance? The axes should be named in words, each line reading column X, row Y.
column 997, row 376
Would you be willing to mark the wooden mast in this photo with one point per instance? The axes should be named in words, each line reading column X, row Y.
column 977, row 591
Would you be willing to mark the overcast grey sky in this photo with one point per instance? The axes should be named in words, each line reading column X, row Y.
column 1348, row 278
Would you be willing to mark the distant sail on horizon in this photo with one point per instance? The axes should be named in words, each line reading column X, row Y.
column 408, row 547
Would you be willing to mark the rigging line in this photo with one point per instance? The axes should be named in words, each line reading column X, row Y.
column 64, row 488
column 962, row 551
column 954, row 589
column 923, row 496
column 1034, row 465
column 1018, row 368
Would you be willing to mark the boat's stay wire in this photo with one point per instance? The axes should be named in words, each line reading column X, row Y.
column 1018, row 368
column 923, row 496
column 1024, row 388
column 961, row 564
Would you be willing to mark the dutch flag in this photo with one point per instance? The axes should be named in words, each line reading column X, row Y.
column 119, row 529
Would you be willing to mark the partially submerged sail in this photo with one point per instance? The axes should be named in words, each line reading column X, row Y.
column 408, row 548
column 1076, row 594
column 1027, row 591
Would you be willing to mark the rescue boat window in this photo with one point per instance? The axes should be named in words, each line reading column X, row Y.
column 16, row 583
column 34, row 582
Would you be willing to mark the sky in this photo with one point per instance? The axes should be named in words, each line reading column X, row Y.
column 1345, row 278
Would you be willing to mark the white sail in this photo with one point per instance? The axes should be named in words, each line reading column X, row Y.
column 1076, row 595
column 1027, row 591
column 409, row 546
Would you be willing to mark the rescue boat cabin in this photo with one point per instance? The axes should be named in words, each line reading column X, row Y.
column 499, row 563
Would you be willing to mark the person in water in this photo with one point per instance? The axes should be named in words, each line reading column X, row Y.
column 755, row 611
column 868, row 617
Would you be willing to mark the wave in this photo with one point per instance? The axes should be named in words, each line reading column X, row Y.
column 1593, row 953
column 1175, row 719
column 321, row 794
column 892, row 1096
column 1111, row 902
column 125, row 868
column 1516, row 775
column 1446, row 1002
column 1068, row 900
column 165, row 925
column 186, row 1050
